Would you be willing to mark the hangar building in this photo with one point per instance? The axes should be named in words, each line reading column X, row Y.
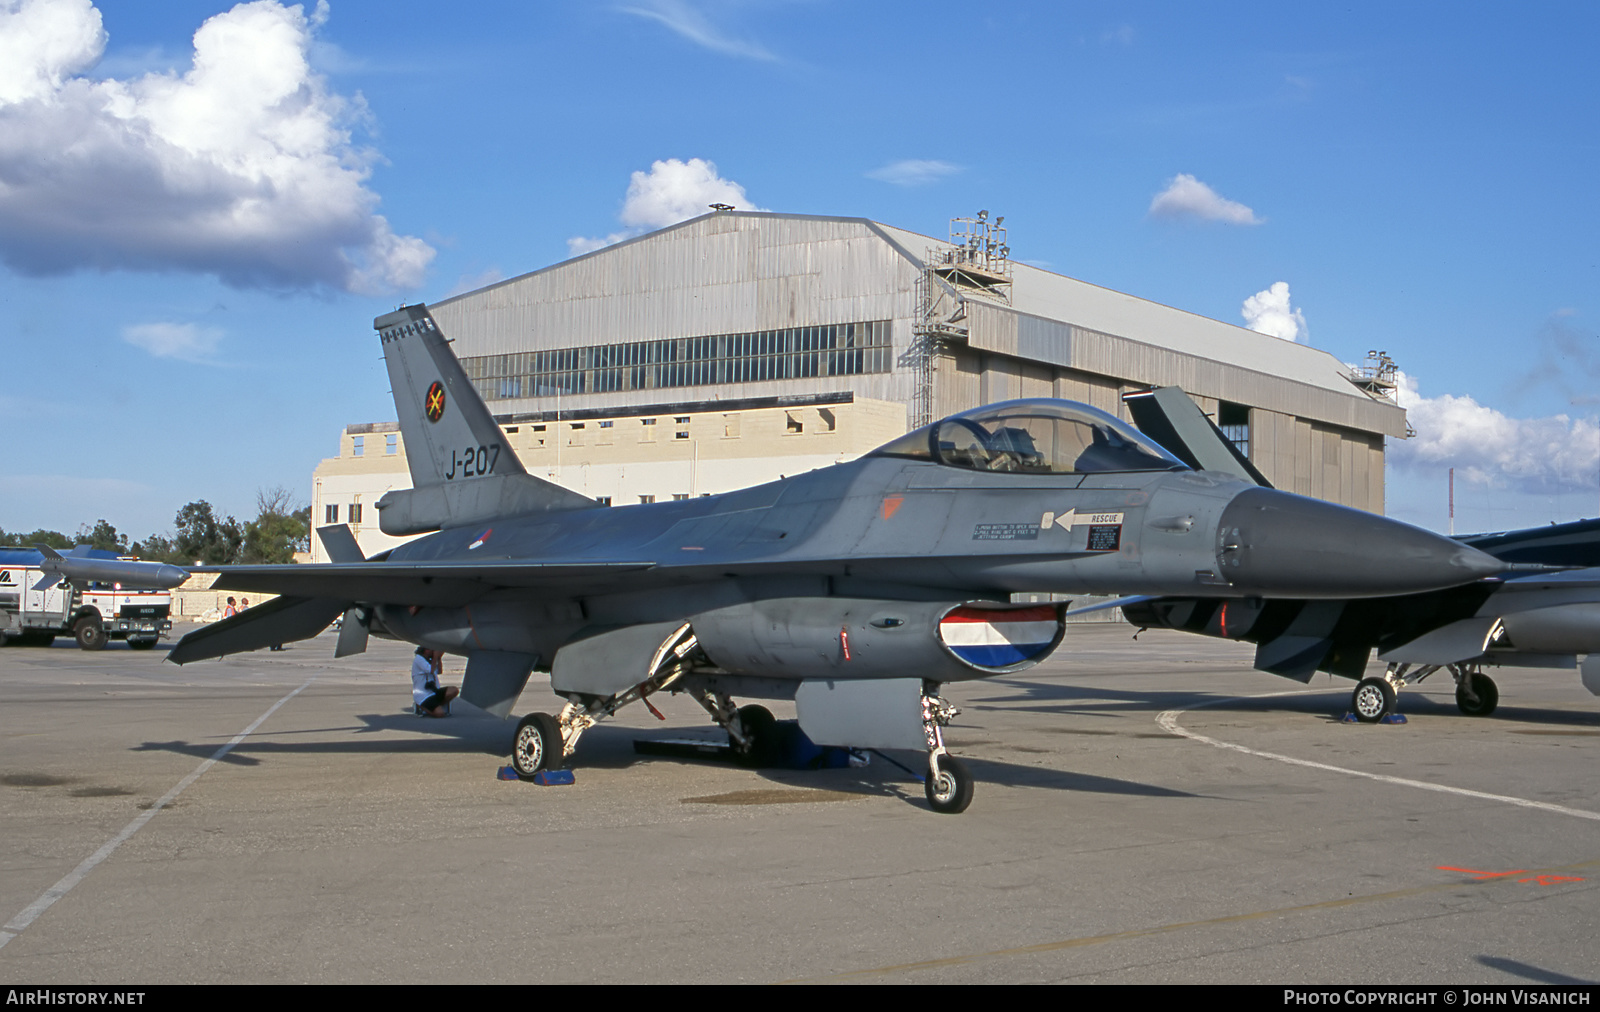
column 739, row 346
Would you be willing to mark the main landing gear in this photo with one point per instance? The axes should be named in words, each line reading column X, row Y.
column 1375, row 698
column 1476, row 693
column 545, row 742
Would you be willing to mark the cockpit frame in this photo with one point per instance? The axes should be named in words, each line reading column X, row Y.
column 1034, row 436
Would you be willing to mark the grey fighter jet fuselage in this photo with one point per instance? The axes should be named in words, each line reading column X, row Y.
column 854, row 589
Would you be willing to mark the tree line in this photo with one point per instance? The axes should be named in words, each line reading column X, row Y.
column 279, row 530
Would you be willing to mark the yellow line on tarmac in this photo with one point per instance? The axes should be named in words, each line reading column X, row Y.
column 1118, row 936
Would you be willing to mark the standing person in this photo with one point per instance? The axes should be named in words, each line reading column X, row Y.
column 431, row 700
column 231, row 610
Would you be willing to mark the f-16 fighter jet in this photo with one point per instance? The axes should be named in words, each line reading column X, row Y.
column 855, row 590
column 1545, row 613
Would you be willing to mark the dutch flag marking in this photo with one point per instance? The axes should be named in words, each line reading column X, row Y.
column 999, row 638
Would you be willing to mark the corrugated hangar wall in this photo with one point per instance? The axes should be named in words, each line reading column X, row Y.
column 742, row 272
column 721, row 274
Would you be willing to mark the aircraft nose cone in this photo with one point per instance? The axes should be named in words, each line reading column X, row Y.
column 1277, row 544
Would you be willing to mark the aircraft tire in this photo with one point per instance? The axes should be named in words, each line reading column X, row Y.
column 1487, row 692
column 1373, row 700
column 762, row 727
column 91, row 635
column 536, row 746
column 950, row 792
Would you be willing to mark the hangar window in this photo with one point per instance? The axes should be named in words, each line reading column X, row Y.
column 355, row 513
column 391, row 443
column 1234, row 421
column 358, row 445
column 840, row 349
column 1035, row 436
column 330, row 514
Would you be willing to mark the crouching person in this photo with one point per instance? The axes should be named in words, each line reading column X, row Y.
column 432, row 699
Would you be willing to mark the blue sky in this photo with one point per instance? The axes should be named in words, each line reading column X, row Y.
column 188, row 270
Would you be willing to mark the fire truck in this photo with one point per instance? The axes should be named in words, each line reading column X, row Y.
column 36, row 607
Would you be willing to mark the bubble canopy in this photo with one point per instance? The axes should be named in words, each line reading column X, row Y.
column 1034, row 436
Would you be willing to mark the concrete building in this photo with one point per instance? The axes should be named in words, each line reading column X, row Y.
column 738, row 346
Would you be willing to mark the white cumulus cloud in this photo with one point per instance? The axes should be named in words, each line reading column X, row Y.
column 1269, row 312
column 1535, row 455
column 1188, row 198
column 242, row 166
column 672, row 191
column 914, row 172
column 184, row 341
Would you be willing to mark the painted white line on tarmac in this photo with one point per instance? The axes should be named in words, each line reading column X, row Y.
column 1168, row 720
column 31, row 912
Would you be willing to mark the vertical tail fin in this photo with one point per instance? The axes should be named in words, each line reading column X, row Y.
column 450, row 435
column 1168, row 416
column 462, row 469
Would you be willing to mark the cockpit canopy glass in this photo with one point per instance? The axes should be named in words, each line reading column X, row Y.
column 1035, row 436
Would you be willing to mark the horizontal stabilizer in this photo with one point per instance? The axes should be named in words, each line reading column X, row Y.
column 282, row 620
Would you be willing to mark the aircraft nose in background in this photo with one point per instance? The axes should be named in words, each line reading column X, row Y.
column 1277, row 544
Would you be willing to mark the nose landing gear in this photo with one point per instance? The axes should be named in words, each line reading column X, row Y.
column 949, row 785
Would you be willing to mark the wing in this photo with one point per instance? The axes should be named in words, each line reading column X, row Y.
column 437, row 584
column 283, row 620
